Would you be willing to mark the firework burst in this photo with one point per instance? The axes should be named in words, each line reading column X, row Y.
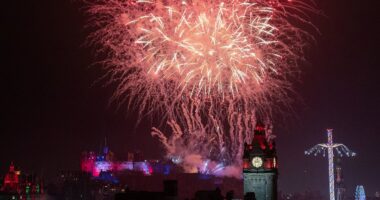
column 209, row 66
column 214, row 51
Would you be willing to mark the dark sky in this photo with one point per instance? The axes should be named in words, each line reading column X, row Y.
column 52, row 110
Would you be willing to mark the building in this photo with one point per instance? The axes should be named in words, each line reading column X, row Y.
column 340, row 189
column 73, row 185
column 11, row 181
column 104, row 164
column 260, row 166
column 170, row 192
column 359, row 193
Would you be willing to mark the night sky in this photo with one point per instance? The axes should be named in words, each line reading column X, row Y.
column 52, row 108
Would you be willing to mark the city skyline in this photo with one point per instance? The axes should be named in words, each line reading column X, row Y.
column 54, row 108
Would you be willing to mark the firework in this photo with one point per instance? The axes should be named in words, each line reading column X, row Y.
column 215, row 51
column 208, row 66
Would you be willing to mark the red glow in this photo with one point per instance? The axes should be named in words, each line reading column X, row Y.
column 260, row 128
column 246, row 164
column 11, row 180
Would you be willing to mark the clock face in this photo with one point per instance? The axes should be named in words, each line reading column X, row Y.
column 257, row 162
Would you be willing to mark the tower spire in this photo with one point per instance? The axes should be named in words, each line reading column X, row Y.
column 105, row 148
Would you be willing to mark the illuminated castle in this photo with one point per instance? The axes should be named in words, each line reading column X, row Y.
column 105, row 164
column 148, row 175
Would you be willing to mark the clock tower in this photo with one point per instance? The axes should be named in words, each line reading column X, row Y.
column 260, row 166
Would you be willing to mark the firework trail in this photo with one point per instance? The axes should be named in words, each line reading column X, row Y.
column 208, row 66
